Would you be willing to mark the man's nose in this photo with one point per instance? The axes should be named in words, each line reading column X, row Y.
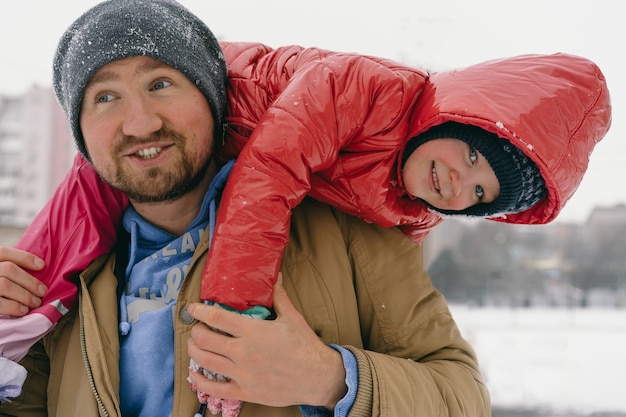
column 141, row 118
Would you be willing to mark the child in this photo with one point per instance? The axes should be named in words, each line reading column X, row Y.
column 347, row 129
column 374, row 138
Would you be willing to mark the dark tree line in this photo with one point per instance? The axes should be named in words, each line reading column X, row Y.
column 495, row 263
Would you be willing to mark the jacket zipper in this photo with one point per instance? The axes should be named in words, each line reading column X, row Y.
column 83, row 349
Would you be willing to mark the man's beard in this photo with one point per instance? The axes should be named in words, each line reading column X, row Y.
column 157, row 184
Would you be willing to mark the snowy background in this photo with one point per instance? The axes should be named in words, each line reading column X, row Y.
column 563, row 361
column 569, row 361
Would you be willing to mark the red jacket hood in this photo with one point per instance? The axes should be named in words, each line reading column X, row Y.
column 555, row 108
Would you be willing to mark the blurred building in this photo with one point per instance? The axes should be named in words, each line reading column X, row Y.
column 606, row 221
column 36, row 150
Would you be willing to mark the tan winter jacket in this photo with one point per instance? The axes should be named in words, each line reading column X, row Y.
column 358, row 285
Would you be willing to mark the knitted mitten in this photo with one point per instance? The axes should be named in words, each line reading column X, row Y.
column 228, row 407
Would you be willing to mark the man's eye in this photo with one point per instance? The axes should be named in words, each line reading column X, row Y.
column 104, row 98
column 480, row 193
column 161, row 84
column 473, row 154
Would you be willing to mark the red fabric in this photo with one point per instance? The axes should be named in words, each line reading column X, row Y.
column 79, row 223
column 332, row 126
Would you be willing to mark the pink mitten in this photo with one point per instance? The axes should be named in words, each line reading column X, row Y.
column 228, row 407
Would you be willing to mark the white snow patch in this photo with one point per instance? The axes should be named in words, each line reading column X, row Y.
column 559, row 359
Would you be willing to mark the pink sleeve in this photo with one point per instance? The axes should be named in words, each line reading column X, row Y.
column 78, row 224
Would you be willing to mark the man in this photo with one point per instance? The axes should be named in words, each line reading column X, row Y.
column 366, row 334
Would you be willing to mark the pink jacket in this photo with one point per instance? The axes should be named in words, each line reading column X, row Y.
column 79, row 223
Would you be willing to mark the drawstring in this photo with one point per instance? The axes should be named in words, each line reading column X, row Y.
column 201, row 410
column 124, row 324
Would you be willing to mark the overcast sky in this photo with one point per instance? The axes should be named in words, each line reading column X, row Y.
column 439, row 34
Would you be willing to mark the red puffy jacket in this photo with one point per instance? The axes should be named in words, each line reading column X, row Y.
column 333, row 125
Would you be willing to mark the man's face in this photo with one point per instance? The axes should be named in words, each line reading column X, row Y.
column 449, row 174
column 148, row 130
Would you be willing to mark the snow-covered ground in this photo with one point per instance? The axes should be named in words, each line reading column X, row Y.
column 556, row 359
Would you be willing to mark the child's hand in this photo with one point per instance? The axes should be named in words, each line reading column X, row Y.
column 19, row 291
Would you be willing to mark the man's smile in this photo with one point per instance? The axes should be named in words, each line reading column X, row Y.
column 148, row 153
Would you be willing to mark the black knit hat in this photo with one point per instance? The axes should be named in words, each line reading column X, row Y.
column 521, row 183
column 118, row 29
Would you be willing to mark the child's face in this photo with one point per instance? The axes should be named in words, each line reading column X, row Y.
column 450, row 175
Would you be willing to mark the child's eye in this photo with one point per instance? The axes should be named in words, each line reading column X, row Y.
column 159, row 85
column 473, row 154
column 480, row 193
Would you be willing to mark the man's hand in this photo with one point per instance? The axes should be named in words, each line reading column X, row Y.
column 19, row 291
column 277, row 362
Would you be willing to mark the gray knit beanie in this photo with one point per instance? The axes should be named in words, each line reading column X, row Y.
column 118, row 29
column 521, row 183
